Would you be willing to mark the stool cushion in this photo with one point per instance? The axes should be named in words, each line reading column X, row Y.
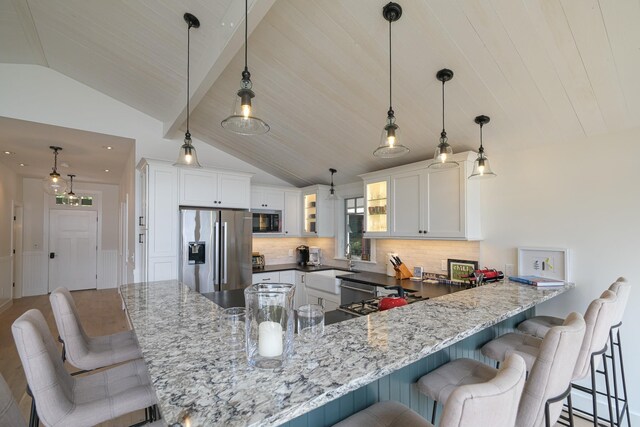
column 440, row 383
column 385, row 414
column 513, row 343
column 9, row 412
column 539, row 326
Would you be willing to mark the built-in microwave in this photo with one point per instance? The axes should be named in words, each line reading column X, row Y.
column 267, row 221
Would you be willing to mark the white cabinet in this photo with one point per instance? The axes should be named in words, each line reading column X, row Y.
column 376, row 203
column 430, row 203
column 273, row 277
column 267, row 198
column 293, row 277
column 301, row 289
column 158, row 222
column 209, row 188
column 288, row 276
column 328, row 300
column 291, row 213
column 317, row 212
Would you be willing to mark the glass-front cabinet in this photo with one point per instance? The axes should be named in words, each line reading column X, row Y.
column 377, row 207
column 310, row 213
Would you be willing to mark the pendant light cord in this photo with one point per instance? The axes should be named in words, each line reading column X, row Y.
column 246, row 25
column 390, row 103
column 55, row 161
column 443, row 131
column 481, row 149
column 188, row 72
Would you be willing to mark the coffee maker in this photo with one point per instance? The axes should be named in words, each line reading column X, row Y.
column 314, row 255
column 302, row 255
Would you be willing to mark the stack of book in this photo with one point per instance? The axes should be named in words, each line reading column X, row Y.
column 537, row 281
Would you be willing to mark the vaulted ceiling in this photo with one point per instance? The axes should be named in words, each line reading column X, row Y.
column 546, row 71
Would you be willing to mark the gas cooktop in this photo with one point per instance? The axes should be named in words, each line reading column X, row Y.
column 366, row 307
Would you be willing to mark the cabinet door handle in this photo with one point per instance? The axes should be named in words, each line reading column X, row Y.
column 140, row 238
column 420, row 231
column 266, row 279
column 140, row 223
column 286, row 232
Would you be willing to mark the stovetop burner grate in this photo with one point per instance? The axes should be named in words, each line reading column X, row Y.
column 366, row 307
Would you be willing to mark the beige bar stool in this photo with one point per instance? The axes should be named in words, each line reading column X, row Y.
column 539, row 325
column 65, row 400
column 10, row 415
column 81, row 350
column 493, row 403
column 598, row 318
column 547, row 385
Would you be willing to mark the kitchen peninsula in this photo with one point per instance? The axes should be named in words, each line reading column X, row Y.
column 197, row 379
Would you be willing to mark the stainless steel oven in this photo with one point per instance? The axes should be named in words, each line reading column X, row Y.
column 351, row 292
column 267, row 221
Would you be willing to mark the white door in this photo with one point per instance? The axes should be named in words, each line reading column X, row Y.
column 73, row 249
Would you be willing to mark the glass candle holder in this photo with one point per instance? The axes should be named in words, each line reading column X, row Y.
column 269, row 324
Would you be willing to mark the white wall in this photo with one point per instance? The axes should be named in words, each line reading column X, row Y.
column 9, row 193
column 583, row 196
column 40, row 94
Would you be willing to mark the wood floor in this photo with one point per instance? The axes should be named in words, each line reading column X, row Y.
column 101, row 314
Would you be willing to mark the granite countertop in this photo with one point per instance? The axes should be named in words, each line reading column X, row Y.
column 195, row 377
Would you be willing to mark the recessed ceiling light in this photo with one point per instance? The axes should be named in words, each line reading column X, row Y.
column 106, row 170
column 23, row 165
column 108, row 147
column 9, row 152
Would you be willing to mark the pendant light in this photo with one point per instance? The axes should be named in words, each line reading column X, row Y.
column 332, row 189
column 243, row 119
column 481, row 167
column 54, row 184
column 443, row 155
column 72, row 199
column 188, row 156
column 390, row 143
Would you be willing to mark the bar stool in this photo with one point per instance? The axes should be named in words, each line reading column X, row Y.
column 547, row 385
column 65, row 400
column 480, row 404
column 9, row 412
column 598, row 318
column 81, row 350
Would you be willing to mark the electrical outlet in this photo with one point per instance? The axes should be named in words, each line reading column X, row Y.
column 508, row 269
column 290, row 252
column 443, row 264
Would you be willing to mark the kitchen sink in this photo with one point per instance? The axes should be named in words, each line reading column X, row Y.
column 327, row 280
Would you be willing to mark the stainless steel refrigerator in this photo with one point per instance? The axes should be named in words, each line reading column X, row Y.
column 215, row 251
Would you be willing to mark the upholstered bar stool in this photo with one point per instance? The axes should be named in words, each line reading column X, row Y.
column 65, row 400
column 81, row 350
column 598, row 318
column 493, row 403
column 9, row 412
column 547, row 385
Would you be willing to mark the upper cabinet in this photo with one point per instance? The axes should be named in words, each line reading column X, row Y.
column 209, row 188
column 267, row 198
column 426, row 203
column 376, row 207
column 292, row 203
column 317, row 211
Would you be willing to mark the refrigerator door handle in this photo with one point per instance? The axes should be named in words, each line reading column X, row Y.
column 216, row 239
column 224, row 253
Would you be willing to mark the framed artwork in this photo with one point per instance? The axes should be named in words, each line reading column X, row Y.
column 460, row 268
column 551, row 263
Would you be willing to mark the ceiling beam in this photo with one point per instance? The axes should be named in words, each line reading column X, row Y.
column 228, row 41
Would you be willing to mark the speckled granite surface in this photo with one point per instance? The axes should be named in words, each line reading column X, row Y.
column 196, row 377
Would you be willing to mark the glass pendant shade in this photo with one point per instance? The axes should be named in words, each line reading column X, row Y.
column 54, row 184
column 482, row 168
column 332, row 194
column 390, row 145
column 71, row 199
column 188, row 157
column 443, row 156
column 243, row 120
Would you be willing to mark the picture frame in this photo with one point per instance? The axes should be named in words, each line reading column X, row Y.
column 551, row 263
column 459, row 268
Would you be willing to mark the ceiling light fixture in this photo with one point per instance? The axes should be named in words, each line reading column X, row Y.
column 9, row 153
column 481, row 167
column 72, row 199
column 332, row 189
column 108, row 147
column 243, row 119
column 107, row 170
column 188, row 156
column 22, row 165
column 54, row 184
column 390, row 143
column 444, row 152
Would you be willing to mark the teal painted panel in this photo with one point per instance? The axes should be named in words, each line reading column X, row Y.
column 400, row 385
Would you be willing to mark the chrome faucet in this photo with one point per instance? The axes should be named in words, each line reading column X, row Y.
column 347, row 254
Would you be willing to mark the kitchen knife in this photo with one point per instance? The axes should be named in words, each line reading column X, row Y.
column 398, row 261
column 393, row 263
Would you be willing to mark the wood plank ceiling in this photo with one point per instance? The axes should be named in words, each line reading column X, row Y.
column 546, row 71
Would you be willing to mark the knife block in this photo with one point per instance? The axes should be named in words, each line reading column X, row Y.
column 402, row 272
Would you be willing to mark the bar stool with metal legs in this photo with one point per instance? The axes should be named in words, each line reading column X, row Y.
column 539, row 325
column 598, row 318
column 547, row 385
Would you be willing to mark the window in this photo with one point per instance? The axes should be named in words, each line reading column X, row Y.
column 62, row 199
column 359, row 247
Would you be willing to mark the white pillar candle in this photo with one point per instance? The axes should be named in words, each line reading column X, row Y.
column 269, row 339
